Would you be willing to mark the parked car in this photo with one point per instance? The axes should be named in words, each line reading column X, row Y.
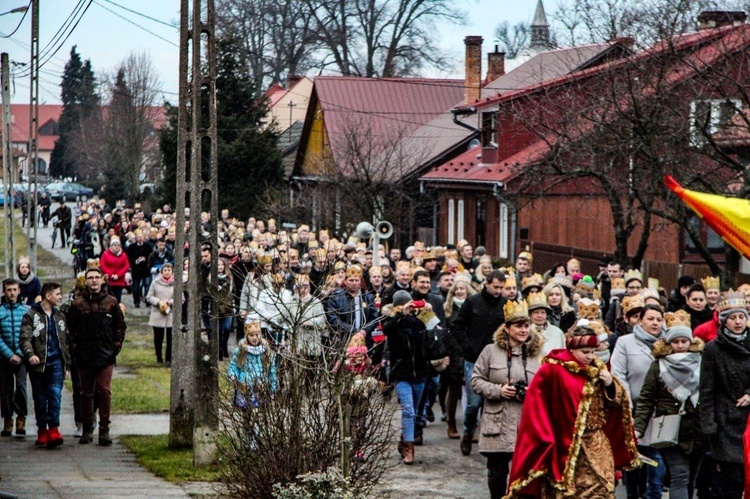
column 68, row 191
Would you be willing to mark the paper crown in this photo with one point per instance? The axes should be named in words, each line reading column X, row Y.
column 711, row 282
column 92, row 263
column 562, row 280
column 586, row 284
column 339, row 266
column 650, row 293
column 264, row 260
column 418, row 246
column 618, row 285
column 354, row 271
column 744, row 288
column 630, row 303
column 429, row 255
column 589, row 309
column 531, row 281
column 510, row 280
column 525, row 255
column 536, row 300
column 300, row 279
column 732, row 299
column 678, row 318
column 515, row 311
column 633, row 274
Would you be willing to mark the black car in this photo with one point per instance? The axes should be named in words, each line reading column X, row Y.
column 68, row 191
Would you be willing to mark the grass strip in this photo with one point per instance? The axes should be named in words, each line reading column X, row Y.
column 175, row 465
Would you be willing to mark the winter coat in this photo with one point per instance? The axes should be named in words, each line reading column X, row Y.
column 156, row 260
column 138, row 255
column 160, row 291
column 455, row 352
column 708, row 331
column 676, row 301
column 115, row 265
column 562, row 320
column 11, row 315
column 405, row 335
column 386, row 297
column 257, row 369
column 725, row 377
column 97, row 329
column 480, row 315
column 553, row 337
column 34, row 336
column 437, row 303
column 656, row 400
column 631, row 360
column 340, row 311
column 310, row 320
column 699, row 317
column 31, row 287
column 501, row 416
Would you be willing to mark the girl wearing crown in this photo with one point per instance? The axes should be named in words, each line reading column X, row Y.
column 671, row 387
column 725, row 393
column 251, row 370
column 501, row 375
column 576, row 427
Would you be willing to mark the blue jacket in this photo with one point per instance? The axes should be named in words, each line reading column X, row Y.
column 341, row 312
column 10, row 329
column 257, row 369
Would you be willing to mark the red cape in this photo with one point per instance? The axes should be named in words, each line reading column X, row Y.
column 746, row 445
column 553, row 421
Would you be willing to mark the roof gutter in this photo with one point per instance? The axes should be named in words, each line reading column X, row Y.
column 464, row 111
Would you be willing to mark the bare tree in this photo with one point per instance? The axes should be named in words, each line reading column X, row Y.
column 512, row 38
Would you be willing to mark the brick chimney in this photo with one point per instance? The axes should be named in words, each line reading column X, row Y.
column 292, row 80
column 719, row 18
column 495, row 65
column 626, row 41
column 473, row 81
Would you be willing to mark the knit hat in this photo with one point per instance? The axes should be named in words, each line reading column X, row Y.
column 401, row 297
column 678, row 326
column 685, row 280
column 732, row 303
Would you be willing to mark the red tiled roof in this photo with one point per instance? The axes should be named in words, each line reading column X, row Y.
column 274, row 93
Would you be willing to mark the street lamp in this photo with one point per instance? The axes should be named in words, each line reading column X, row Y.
column 17, row 10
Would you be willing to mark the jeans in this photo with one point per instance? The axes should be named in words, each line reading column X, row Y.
column 13, row 397
column 159, row 333
column 498, row 466
column 75, row 380
column 429, row 394
column 682, row 472
column 116, row 292
column 140, row 288
column 47, row 390
column 225, row 330
column 473, row 402
column 409, row 393
column 654, row 476
column 96, row 381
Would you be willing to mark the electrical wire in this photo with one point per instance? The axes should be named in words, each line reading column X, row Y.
column 142, row 15
column 136, row 24
column 19, row 22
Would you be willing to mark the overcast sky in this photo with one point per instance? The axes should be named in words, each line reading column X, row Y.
column 108, row 36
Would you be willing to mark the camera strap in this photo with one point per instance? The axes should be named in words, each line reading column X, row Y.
column 523, row 361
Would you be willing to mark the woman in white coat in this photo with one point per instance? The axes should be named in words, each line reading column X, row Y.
column 160, row 297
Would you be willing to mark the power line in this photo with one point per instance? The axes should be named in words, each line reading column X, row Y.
column 28, row 7
column 142, row 15
column 135, row 24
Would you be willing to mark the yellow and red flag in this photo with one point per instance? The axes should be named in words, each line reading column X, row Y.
column 728, row 217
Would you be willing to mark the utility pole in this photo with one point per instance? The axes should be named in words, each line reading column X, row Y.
column 194, row 412
column 8, row 169
column 33, row 149
column 291, row 105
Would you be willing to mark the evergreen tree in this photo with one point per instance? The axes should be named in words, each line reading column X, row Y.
column 248, row 160
column 120, row 158
column 80, row 101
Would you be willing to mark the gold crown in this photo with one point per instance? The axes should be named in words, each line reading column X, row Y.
column 631, row 303
column 744, row 288
column 585, row 285
column 633, row 274
column 92, row 263
column 531, row 281
column 354, row 271
column 678, row 318
column 711, row 282
column 264, row 260
column 589, row 309
column 598, row 327
column 562, row 280
column 515, row 311
column 732, row 299
column 510, row 280
column 647, row 293
column 536, row 300
column 618, row 283
column 525, row 255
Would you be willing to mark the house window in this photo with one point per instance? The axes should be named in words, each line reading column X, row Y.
column 481, row 227
column 489, row 129
column 460, row 221
column 708, row 237
column 451, row 221
column 707, row 115
column 49, row 128
column 503, row 230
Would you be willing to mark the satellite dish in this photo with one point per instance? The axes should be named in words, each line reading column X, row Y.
column 384, row 230
column 364, row 230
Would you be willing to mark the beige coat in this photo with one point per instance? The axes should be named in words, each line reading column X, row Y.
column 160, row 291
column 500, row 416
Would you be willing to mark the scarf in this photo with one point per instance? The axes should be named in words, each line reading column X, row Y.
column 647, row 338
column 458, row 303
column 256, row 350
column 556, row 316
column 27, row 280
column 603, row 355
column 168, row 281
column 739, row 338
column 681, row 373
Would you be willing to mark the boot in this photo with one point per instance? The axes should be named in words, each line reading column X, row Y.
column 88, row 434
column 475, row 437
column 104, row 438
column 452, row 431
column 21, row 426
column 418, row 438
column 401, row 446
column 54, row 439
column 7, row 427
column 409, row 453
column 41, row 439
column 466, row 445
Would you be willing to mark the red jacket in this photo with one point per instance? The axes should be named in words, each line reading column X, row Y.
column 115, row 265
column 708, row 331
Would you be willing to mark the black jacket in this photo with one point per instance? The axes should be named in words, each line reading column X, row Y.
column 387, row 296
column 97, row 329
column 406, row 334
column 138, row 256
column 725, row 377
column 437, row 303
column 479, row 317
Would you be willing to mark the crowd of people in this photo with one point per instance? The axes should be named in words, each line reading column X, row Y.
column 564, row 376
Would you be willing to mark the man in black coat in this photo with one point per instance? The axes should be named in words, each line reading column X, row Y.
column 138, row 254
column 64, row 217
column 474, row 327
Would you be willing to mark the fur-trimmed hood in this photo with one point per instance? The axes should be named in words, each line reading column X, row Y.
column 662, row 348
column 533, row 344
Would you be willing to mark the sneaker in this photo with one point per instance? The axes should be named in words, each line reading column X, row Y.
column 430, row 415
column 79, row 430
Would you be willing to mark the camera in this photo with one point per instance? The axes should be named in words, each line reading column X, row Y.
column 520, row 387
column 418, row 304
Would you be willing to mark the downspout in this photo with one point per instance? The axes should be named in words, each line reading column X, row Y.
column 496, row 192
column 423, row 191
column 464, row 111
